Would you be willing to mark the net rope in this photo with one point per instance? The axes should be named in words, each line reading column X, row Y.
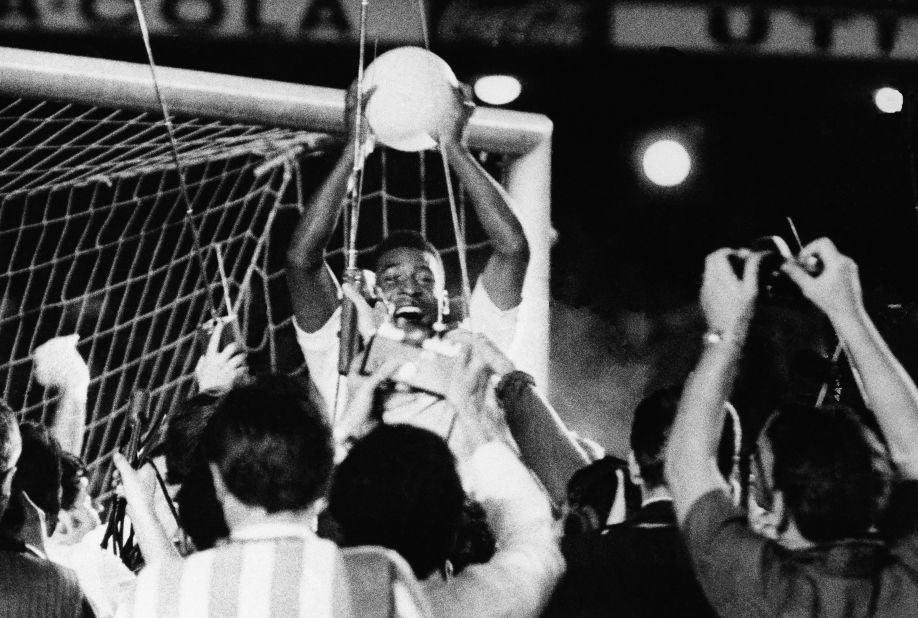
column 94, row 239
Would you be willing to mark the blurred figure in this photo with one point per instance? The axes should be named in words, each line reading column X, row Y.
column 821, row 474
column 76, row 542
column 640, row 567
column 411, row 480
column 596, row 496
column 59, row 366
column 30, row 585
column 269, row 452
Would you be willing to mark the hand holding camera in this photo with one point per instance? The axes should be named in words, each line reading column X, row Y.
column 835, row 286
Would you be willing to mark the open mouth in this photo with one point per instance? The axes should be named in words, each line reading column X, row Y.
column 408, row 312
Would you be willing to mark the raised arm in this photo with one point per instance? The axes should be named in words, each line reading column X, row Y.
column 546, row 445
column 313, row 287
column 691, row 455
column 58, row 365
column 503, row 275
column 890, row 392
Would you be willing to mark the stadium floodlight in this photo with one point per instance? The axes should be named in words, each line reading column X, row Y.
column 666, row 163
column 888, row 100
column 497, row 89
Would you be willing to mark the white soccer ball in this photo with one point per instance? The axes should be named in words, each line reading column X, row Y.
column 413, row 88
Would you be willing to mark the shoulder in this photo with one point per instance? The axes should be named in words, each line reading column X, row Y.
column 377, row 574
column 25, row 575
column 360, row 560
column 31, row 568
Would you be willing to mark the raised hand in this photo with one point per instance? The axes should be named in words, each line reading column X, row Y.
column 836, row 290
column 217, row 371
column 151, row 536
column 58, row 364
column 727, row 300
column 452, row 125
column 477, row 421
column 358, row 420
column 365, row 137
column 495, row 360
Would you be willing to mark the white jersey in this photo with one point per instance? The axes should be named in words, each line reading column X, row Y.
column 320, row 350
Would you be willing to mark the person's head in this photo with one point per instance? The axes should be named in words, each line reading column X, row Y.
column 10, row 450
column 398, row 487
column 409, row 277
column 39, row 470
column 653, row 420
column 184, row 429
column 78, row 514
column 650, row 429
column 268, row 447
column 199, row 509
column 822, row 471
column 591, row 493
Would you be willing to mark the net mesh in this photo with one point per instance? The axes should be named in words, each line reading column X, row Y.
column 96, row 238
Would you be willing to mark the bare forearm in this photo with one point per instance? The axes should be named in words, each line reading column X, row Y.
column 506, row 269
column 313, row 288
column 316, row 226
column 890, row 391
column 69, row 422
column 152, row 539
column 691, row 455
column 490, row 200
column 545, row 443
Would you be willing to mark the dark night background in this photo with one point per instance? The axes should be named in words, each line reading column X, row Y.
column 770, row 138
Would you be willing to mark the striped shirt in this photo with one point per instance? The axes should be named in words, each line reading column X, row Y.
column 276, row 570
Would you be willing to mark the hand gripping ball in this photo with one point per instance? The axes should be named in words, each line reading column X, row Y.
column 413, row 89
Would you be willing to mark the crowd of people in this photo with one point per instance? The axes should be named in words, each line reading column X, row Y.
column 398, row 490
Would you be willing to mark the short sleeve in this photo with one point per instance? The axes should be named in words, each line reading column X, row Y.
column 486, row 318
column 731, row 561
column 320, row 349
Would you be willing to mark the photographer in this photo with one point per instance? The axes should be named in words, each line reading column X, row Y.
column 409, row 272
column 822, row 474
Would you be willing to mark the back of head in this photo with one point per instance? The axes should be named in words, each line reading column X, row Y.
column 39, row 469
column 399, row 488
column 183, row 435
column 653, row 420
column 73, row 473
column 38, row 474
column 832, row 470
column 270, row 444
column 10, row 438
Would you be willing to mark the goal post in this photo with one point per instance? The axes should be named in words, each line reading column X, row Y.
column 523, row 140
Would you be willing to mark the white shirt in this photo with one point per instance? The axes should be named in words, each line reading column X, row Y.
column 320, row 349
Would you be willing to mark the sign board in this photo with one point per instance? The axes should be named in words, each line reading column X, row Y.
column 388, row 21
column 755, row 29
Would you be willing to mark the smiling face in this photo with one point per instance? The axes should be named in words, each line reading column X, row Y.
column 410, row 282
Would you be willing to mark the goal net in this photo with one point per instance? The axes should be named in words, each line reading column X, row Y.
column 98, row 237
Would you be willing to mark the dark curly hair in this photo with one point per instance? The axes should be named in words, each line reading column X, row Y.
column 834, row 472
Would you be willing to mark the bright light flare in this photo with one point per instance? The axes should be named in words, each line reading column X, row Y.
column 888, row 100
column 666, row 163
column 497, row 89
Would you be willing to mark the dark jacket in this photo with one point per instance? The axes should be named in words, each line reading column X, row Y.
column 637, row 568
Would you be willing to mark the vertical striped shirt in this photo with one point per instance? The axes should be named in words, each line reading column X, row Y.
column 276, row 570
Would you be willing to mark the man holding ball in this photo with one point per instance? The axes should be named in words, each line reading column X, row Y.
column 410, row 281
